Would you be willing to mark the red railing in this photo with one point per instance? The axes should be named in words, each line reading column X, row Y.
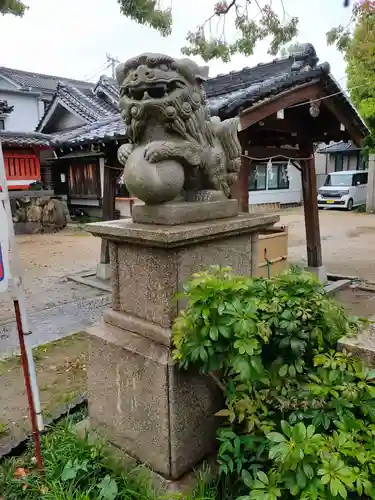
column 21, row 168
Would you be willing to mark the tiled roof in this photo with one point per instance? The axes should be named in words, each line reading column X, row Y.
column 108, row 89
column 104, row 129
column 39, row 81
column 338, row 147
column 82, row 102
column 24, row 139
column 229, row 94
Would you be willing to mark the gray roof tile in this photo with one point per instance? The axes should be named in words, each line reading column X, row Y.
column 24, row 139
column 338, row 147
column 39, row 81
column 82, row 102
column 104, row 130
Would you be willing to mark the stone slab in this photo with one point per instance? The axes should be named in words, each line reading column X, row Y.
column 335, row 286
column 90, row 279
column 104, row 271
column 172, row 214
column 139, row 401
column 126, row 230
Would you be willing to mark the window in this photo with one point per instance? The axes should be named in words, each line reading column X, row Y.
column 257, row 179
column 344, row 180
column 360, row 179
column 2, row 125
column 261, row 179
column 339, row 163
column 279, row 178
column 361, row 163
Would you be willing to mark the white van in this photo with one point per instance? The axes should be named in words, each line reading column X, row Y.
column 346, row 189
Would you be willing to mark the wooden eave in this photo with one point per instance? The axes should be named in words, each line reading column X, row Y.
column 316, row 89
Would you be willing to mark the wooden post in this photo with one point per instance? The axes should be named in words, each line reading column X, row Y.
column 310, row 203
column 109, row 206
column 241, row 187
column 370, row 195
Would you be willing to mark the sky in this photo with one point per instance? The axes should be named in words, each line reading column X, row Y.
column 70, row 38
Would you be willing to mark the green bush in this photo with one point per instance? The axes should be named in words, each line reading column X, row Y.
column 299, row 416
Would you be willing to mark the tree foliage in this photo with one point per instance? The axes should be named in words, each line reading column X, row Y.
column 299, row 417
column 213, row 44
column 15, row 7
column 357, row 43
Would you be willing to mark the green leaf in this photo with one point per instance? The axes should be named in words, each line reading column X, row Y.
column 286, row 428
column 108, row 489
column 308, row 470
column 224, row 331
column 263, row 477
column 276, row 437
column 283, row 370
column 292, row 371
column 69, row 472
column 256, row 363
column 247, row 478
column 214, row 333
column 223, row 413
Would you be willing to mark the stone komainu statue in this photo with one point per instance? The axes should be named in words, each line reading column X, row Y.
column 176, row 151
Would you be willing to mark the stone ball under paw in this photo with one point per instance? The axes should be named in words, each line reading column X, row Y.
column 153, row 183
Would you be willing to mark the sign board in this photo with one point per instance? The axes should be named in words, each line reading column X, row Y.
column 4, row 247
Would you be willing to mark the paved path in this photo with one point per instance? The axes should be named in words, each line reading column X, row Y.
column 348, row 240
column 54, row 323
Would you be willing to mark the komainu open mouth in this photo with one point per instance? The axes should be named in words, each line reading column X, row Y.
column 156, row 90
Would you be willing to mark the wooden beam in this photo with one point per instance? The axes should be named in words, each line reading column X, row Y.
column 109, row 206
column 261, row 152
column 356, row 136
column 310, row 203
column 272, row 105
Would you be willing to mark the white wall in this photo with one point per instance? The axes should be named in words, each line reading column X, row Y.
column 62, row 119
column 25, row 115
column 4, row 84
column 320, row 163
column 282, row 196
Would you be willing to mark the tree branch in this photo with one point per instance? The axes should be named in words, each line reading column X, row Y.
column 217, row 381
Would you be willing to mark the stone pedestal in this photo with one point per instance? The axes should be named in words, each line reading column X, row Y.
column 138, row 399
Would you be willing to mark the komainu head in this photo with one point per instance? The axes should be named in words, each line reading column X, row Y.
column 158, row 89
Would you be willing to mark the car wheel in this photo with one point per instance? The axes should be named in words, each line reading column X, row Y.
column 349, row 206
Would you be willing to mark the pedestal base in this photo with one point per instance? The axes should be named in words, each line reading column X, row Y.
column 104, row 271
column 320, row 272
column 141, row 402
column 138, row 399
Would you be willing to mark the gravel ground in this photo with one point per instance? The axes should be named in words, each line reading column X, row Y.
column 46, row 260
column 348, row 240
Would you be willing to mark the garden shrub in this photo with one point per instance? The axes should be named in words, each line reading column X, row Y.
column 299, row 417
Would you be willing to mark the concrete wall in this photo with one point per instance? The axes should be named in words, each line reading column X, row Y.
column 26, row 113
column 282, row 196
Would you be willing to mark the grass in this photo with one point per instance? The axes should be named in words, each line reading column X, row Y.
column 78, row 470
column 61, row 372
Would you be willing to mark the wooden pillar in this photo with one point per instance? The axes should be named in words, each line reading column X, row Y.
column 370, row 195
column 310, row 203
column 109, row 206
column 241, row 187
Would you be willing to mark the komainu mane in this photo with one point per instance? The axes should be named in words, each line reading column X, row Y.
column 176, row 151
